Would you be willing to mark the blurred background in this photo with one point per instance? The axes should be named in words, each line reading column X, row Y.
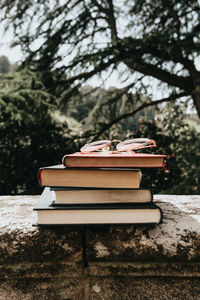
column 73, row 72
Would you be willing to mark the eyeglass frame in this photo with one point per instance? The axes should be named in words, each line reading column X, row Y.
column 105, row 144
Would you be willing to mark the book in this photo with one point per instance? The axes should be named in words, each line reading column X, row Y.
column 59, row 176
column 107, row 159
column 100, row 195
column 118, row 213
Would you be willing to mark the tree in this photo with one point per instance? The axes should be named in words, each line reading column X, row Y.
column 77, row 40
column 176, row 138
column 111, row 107
column 29, row 136
column 4, row 64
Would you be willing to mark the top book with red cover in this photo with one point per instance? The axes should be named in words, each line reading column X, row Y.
column 110, row 159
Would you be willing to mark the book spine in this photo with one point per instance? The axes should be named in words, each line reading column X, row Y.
column 161, row 212
column 63, row 160
column 39, row 176
column 151, row 194
column 161, row 215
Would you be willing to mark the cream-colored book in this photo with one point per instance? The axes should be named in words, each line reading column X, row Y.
column 59, row 176
column 100, row 195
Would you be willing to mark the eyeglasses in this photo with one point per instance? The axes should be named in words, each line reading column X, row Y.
column 127, row 145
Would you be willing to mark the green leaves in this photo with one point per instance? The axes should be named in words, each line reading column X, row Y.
column 30, row 137
column 181, row 143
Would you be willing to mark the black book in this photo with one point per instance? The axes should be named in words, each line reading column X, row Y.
column 111, row 213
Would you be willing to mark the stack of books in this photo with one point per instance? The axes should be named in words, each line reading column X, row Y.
column 98, row 188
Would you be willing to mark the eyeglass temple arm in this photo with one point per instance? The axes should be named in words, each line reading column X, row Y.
column 146, row 145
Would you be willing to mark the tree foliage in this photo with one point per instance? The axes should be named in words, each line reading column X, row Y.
column 176, row 138
column 81, row 39
column 109, row 111
column 29, row 137
column 154, row 48
column 181, row 143
column 4, row 64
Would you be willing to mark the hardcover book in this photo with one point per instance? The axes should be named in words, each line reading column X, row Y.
column 118, row 213
column 107, row 159
column 100, row 195
column 59, row 176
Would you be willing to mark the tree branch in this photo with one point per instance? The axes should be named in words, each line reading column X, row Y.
column 112, row 22
column 156, row 102
column 181, row 82
column 99, row 6
column 119, row 94
column 85, row 75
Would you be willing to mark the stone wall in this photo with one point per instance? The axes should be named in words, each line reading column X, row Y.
column 102, row 261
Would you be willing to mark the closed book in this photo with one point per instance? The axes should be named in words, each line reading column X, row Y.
column 100, row 195
column 118, row 213
column 59, row 176
column 108, row 159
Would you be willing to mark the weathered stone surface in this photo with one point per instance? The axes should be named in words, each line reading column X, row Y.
column 142, row 269
column 48, row 270
column 177, row 238
column 102, row 289
column 43, row 289
column 100, row 262
column 21, row 241
column 144, row 288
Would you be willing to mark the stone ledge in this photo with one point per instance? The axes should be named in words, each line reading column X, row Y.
column 66, row 270
column 100, row 262
column 176, row 239
column 120, row 288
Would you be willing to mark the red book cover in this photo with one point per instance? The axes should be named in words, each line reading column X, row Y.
column 112, row 159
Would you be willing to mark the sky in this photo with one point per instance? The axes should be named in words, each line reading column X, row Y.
column 15, row 55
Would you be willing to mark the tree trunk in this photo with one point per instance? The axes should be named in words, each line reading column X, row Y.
column 196, row 98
